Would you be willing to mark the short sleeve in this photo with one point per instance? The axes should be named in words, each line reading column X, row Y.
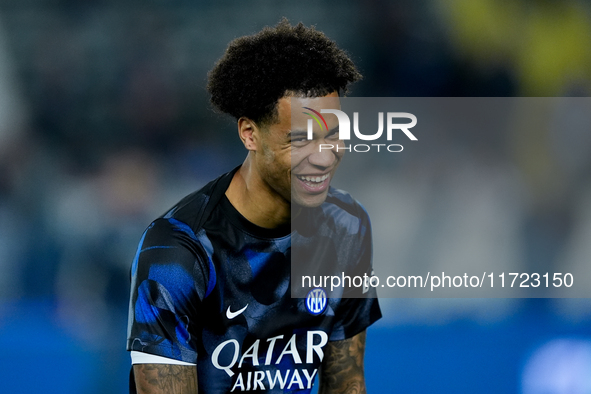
column 169, row 280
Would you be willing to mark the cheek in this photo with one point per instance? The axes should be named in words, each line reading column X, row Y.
column 268, row 155
column 277, row 166
column 297, row 156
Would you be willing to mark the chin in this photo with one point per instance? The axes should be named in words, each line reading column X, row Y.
column 309, row 201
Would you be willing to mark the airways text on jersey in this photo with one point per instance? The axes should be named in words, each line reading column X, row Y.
column 280, row 365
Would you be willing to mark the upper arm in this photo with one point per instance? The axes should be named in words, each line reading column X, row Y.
column 342, row 367
column 165, row 379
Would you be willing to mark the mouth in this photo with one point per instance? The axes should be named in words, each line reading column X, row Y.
column 316, row 183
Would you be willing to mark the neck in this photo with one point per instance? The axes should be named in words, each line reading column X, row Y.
column 255, row 199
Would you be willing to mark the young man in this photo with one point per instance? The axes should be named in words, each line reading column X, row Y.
column 211, row 308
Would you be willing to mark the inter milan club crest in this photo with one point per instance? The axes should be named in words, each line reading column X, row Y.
column 316, row 301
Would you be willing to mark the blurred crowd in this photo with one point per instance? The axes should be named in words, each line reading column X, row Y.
column 105, row 123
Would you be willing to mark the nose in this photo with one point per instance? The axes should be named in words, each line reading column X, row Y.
column 322, row 158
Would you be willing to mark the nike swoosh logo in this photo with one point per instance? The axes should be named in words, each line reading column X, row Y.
column 230, row 315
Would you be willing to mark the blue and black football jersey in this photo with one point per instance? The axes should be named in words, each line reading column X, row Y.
column 211, row 288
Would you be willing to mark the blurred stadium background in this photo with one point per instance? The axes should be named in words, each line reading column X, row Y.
column 105, row 122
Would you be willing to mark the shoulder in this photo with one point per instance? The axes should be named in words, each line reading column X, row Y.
column 345, row 201
column 175, row 245
column 345, row 210
column 171, row 258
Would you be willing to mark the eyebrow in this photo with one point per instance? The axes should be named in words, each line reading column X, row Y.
column 297, row 133
column 302, row 133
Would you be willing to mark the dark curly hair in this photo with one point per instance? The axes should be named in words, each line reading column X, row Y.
column 257, row 70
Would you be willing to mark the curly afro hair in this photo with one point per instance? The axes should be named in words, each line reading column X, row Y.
column 284, row 60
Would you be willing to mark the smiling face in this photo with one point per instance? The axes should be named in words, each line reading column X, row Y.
column 293, row 166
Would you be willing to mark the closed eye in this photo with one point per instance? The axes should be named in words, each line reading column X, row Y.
column 333, row 134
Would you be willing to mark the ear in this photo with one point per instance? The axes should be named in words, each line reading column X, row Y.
column 248, row 132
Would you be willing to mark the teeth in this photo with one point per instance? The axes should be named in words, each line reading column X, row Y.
column 316, row 179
